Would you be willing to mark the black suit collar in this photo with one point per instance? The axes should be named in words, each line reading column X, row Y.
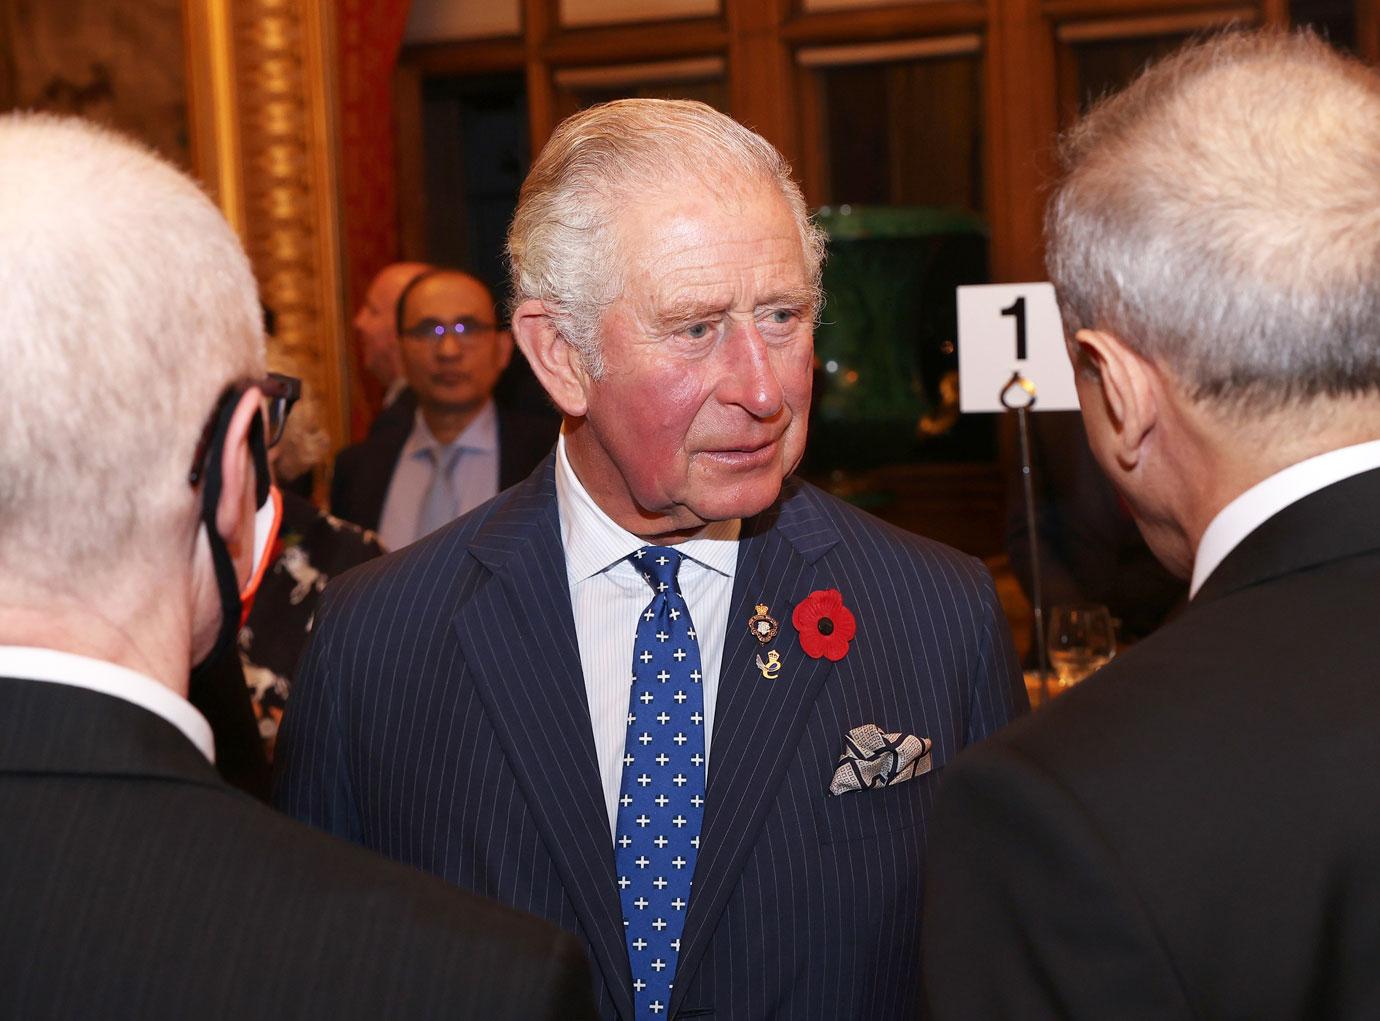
column 60, row 728
column 1337, row 521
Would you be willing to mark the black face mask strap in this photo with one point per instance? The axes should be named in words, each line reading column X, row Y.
column 212, row 484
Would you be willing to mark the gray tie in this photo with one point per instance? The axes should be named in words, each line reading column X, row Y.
column 439, row 504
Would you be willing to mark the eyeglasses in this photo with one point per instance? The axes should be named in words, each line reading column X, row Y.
column 280, row 393
column 467, row 332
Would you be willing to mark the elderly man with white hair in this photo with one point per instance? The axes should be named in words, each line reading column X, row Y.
column 135, row 508
column 661, row 692
column 1192, row 832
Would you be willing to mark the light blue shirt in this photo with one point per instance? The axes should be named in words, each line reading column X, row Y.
column 474, row 480
column 606, row 595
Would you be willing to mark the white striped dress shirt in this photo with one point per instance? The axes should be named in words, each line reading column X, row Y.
column 607, row 594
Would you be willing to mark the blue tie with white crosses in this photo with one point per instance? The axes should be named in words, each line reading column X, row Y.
column 661, row 803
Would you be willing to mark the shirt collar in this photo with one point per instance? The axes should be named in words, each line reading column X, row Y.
column 51, row 666
column 480, row 436
column 1265, row 499
column 594, row 542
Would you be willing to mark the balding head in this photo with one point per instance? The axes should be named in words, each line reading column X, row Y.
column 375, row 332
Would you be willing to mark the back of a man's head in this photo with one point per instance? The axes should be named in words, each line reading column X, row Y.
column 128, row 305
column 1222, row 217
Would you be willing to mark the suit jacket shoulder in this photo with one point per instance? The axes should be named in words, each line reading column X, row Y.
column 363, row 471
column 152, row 889
column 1180, row 832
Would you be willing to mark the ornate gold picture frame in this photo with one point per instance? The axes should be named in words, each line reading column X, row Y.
column 264, row 140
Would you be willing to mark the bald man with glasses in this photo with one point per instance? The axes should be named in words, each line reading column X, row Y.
column 461, row 445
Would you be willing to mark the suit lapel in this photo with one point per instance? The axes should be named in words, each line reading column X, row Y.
column 518, row 637
column 757, row 722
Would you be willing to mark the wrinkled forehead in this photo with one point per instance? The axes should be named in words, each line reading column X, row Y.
column 707, row 231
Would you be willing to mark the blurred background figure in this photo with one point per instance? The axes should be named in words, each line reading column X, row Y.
column 312, row 548
column 460, row 446
column 376, row 328
column 135, row 517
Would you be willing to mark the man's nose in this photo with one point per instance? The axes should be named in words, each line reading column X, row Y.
column 750, row 379
column 449, row 346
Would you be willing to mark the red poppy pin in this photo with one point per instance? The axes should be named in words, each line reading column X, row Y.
column 824, row 624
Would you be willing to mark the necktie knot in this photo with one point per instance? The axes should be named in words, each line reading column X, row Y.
column 658, row 564
column 444, row 458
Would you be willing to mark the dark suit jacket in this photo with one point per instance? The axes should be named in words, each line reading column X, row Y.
column 135, row 883
column 1192, row 832
column 364, row 470
column 440, row 717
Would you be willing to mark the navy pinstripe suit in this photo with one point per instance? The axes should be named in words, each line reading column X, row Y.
column 440, row 718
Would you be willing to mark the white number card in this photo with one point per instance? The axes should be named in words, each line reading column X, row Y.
column 1006, row 328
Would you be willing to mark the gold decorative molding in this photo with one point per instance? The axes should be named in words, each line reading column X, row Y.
column 264, row 142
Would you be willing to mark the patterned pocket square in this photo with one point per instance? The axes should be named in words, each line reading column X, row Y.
column 873, row 759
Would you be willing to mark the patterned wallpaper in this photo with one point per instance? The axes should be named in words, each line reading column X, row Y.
column 121, row 64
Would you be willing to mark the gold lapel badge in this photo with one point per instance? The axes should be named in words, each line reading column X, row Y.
column 771, row 667
column 763, row 627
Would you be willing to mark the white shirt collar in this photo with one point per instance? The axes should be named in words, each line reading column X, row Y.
column 480, row 435
column 1265, row 499
column 593, row 541
column 53, row 667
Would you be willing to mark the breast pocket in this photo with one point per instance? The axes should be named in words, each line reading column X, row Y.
column 871, row 812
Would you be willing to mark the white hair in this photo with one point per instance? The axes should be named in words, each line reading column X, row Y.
column 1222, row 215
column 126, row 306
column 561, row 245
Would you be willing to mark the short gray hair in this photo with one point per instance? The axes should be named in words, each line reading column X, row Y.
column 126, row 306
column 561, row 242
column 1222, row 215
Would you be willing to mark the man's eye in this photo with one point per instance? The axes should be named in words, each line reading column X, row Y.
column 780, row 322
column 699, row 331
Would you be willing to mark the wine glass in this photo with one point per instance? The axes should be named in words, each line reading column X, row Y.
column 1081, row 640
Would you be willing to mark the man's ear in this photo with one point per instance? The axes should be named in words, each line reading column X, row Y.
column 554, row 360
column 1129, row 386
column 235, row 510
